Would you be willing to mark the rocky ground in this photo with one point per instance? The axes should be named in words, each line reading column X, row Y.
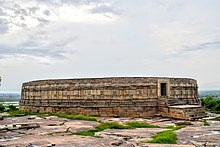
column 34, row 131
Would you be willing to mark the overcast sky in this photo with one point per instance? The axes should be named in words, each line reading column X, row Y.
column 41, row 39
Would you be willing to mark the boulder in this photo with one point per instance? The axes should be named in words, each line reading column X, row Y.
column 183, row 123
column 117, row 143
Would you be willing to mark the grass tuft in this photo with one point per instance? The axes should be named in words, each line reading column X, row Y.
column 216, row 119
column 165, row 137
column 87, row 133
column 75, row 117
column 101, row 127
column 206, row 123
column 114, row 125
column 18, row 112
column 110, row 125
column 68, row 116
column 141, row 125
column 174, row 128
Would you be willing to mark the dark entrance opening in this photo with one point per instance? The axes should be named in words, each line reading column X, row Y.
column 163, row 89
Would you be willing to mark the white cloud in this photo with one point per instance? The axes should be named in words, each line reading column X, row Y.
column 82, row 38
column 25, row 14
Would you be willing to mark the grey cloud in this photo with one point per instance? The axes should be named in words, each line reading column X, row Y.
column 7, row 52
column 104, row 9
column 3, row 26
column 190, row 50
column 20, row 14
column 2, row 13
column 33, row 10
column 22, row 18
column 81, row 1
column 35, row 46
column 47, row 12
column 24, row 12
column 51, row 3
column 42, row 20
column 72, row 2
column 202, row 46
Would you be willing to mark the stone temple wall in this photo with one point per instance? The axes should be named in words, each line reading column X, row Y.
column 118, row 96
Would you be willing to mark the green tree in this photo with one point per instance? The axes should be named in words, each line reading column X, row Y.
column 2, row 108
column 12, row 108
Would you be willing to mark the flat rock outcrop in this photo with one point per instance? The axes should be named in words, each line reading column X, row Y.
column 54, row 131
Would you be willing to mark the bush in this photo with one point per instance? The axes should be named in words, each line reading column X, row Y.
column 205, row 123
column 11, row 108
column 216, row 119
column 211, row 104
column 165, row 137
column 2, row 108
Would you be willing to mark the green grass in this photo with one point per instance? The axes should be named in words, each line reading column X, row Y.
column 165, row 137
column 174, row 128
column 75, row 117
column 87, row 133
column 206, row 123
column 216, row 119
column 110, row 125
column 114, row 125
column 68, row 116
column 141, row 125
column 102, row 126
column 18, row 112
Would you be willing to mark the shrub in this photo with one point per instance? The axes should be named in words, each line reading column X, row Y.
column 205, row 123
column 211, row 104
column 165, row 137
column 2, row 108
column 216, row 119
column 11, row 108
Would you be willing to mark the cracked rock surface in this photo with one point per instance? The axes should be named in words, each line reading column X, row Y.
column 55, row 131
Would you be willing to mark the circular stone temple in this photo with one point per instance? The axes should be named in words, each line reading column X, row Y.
column 116, row 96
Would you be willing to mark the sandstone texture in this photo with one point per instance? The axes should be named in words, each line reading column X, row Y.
column 118, row 96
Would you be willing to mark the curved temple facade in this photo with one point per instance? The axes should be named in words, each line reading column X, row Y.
column 118, row 96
